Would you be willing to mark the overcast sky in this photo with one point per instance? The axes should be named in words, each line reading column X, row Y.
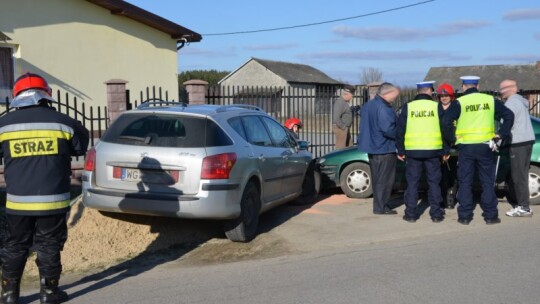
column 402, row 43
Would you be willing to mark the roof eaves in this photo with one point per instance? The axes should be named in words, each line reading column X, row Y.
column 4, row 37
column 123, row 8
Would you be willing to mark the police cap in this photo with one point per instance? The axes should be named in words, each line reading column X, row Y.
column 469, row 79
column 425, row 84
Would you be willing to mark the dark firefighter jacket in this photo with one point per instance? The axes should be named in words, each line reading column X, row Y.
column 37, row 144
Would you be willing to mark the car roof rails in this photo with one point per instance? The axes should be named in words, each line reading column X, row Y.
column 239, row 105
column 159, row 102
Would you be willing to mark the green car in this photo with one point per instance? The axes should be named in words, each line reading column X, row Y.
column 349, row 169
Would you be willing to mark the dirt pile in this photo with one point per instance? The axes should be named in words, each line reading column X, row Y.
column 98, row 241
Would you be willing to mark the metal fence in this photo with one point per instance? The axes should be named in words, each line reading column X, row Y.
column 311, row 104
column 94, row 118
column 148, row 94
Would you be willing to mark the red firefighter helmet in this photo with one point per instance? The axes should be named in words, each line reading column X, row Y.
column 30, row 81
column 445, row 88
column 289, row 123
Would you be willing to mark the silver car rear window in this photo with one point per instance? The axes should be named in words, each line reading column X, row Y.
column 158, row 130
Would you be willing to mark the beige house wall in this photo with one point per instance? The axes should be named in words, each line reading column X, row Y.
column 77, row 46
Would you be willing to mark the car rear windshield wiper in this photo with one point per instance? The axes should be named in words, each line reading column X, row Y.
column 135, row 138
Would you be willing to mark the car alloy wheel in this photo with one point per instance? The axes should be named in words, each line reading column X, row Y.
column 534, row 185
column 355, row 180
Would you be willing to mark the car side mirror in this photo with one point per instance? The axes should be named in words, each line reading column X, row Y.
column 303, row 145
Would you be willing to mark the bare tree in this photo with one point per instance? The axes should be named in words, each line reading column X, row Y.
column 370, row 75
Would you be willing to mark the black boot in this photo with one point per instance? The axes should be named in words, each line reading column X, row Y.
column 50, row 293
column 10, row 291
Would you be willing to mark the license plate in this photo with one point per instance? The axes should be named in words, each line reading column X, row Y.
column 131, row 175
column 146, row 176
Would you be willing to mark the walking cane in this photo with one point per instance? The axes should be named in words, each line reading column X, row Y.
column 497, row 167
column 495, row 148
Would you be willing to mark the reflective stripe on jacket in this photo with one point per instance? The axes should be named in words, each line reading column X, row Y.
column 423, row 127
column 38, row 202
column 476, row 123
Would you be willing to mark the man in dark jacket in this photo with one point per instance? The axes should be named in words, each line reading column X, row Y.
column 420, row 144
column 342, row 118
column 37, row 143
column 377, row 137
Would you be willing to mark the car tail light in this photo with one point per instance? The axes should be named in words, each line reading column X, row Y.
column 90, row 160
column 218, row 166
column 175, row 175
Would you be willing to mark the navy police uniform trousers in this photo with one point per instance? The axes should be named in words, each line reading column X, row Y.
column 413, row 173
column 477, row 157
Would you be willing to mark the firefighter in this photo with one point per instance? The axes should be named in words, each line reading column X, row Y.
column 420, row 144
column 475, row 133
column 37, row 143
column 294, row 125
column 445, row 95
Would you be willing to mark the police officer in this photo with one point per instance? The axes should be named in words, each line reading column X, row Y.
column 475, row 129
column 37, row 143
column 420, row 144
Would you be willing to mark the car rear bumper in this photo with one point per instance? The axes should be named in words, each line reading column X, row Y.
column 214, row 204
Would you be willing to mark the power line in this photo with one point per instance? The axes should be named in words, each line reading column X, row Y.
column 319, row 23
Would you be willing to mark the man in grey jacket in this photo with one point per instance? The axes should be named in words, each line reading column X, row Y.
column 520, row 149
column 342, row 118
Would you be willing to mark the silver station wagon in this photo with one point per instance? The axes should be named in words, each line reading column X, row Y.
column 199, row 161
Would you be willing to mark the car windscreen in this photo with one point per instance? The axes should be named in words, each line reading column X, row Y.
column 160, row 130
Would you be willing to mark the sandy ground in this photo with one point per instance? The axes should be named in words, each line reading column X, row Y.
column 99, row 241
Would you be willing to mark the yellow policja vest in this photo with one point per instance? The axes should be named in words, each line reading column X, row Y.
column 423, row 129
column 476, row 123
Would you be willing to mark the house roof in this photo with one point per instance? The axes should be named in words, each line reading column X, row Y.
column 295, row 72
column 123, row 8
column 526, row 75
column 291, row 72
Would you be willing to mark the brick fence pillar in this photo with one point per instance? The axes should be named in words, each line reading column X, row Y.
column 116, row 98
column 196, row 91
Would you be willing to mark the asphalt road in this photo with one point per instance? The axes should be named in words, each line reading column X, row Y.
column 375, row 260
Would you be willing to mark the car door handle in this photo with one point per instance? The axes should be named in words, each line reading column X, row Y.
column 261, row 158
column 286, row 154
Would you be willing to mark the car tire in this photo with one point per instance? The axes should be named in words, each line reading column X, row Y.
column 244, row 228
column 534, row 185
column 311, row 186
column 355, row 180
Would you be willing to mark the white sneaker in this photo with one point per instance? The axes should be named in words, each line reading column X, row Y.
column 519, row 212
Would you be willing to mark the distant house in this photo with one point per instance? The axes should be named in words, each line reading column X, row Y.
column 526, row 75
column 265, row 82
column 77, row 45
